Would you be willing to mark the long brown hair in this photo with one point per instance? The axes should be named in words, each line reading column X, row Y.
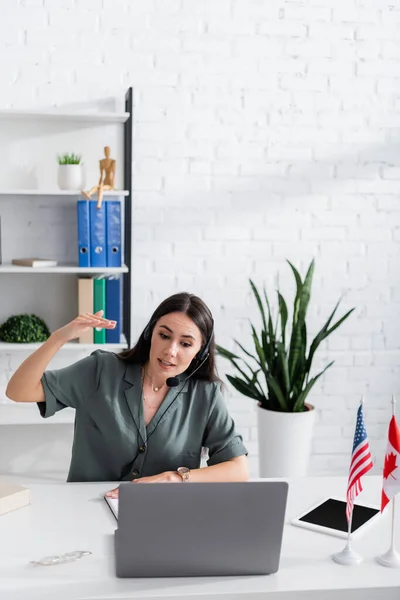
column 201, row 316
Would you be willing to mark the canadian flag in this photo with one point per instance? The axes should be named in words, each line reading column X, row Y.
column 391, row 470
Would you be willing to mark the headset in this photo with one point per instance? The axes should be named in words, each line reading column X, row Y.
column 197, row 362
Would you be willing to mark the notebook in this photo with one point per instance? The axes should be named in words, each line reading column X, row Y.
column 34, row 262
column 113, row 505
column 12, row 496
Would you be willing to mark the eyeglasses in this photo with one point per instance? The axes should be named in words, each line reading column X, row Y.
column 48, row 561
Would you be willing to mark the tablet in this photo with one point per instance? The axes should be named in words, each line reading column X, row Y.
column 329, row 516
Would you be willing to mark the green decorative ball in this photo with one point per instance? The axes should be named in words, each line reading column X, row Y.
column 24, row 329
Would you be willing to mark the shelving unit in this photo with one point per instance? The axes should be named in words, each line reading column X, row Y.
column 28, row 414
column 59, row 115
column 9, row 268
column 14, row 414
column 58, row 193
column 73, row 346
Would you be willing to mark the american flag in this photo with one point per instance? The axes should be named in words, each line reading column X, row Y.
column 361, row 463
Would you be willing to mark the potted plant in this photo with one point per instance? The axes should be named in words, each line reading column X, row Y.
column 279, row 379
column 69, row 171
column 24, row 329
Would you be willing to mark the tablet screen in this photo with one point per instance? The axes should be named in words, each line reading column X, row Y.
column 332, row 514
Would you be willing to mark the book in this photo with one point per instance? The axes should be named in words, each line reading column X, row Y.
column 34, row 262
column 85, row 305
column 97, row 220
column 113, row 505
column 83, row 233
column 13, row 496
column 99, row 303
column 113, row 305
column 113, row 233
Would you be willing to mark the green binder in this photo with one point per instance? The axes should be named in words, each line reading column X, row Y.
column 99, row 303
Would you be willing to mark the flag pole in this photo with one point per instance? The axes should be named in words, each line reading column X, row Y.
column 348, row 556
column 391, row 558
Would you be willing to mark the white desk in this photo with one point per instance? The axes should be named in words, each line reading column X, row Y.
column 67, row 517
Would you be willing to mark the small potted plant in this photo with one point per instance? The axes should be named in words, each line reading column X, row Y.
column 279, row 379
column 69, row 171
column 24, row 329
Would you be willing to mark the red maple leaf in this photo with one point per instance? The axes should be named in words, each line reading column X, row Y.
column 390, row 465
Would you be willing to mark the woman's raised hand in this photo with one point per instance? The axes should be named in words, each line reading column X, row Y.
column 83, row 323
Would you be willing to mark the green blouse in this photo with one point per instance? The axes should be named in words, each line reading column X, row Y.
column 111, row 440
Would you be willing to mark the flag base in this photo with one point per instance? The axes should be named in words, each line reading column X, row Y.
column 390, row 559
column 347, row 557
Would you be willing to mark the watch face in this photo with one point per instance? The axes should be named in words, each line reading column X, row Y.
column 183, row 470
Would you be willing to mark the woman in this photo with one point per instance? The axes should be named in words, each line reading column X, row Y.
column 145, row 414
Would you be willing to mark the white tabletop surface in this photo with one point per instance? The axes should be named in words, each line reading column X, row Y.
column 66, row 517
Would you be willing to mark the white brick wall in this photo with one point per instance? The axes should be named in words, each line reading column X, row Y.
column 263, row 130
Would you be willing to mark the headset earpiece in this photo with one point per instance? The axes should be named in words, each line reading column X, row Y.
column 204, row 352
column 147, row 331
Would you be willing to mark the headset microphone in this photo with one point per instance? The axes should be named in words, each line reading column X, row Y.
column 175, row 381
column 202, row 356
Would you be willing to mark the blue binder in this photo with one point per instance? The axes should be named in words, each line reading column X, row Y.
column 113, row 309
column 83, row 233
column 98, row 256
column 113, row 226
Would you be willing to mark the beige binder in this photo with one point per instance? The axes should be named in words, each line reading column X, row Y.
column 13, row 496
column 85, row 305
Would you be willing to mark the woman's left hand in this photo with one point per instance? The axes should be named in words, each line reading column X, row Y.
column 167, row 477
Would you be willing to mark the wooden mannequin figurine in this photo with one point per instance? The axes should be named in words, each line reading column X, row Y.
column 107, row 178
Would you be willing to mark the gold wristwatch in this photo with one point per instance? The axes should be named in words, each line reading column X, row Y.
column 184, row 472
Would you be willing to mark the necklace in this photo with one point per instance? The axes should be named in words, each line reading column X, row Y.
column 144, row 397
column 155, row 389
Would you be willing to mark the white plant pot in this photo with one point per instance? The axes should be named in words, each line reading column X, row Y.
column 284, row 442
column 70, row 177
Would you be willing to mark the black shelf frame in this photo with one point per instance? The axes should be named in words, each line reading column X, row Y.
column 127, row 277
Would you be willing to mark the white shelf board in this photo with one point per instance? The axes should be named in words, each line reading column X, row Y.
column 9, row 268
column 74, row 346
column 59, row 115
column 57, row 192
column 27, row 413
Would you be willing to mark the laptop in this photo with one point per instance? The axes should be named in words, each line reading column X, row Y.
column 199, row 529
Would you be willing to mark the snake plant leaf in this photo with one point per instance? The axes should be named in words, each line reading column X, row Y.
column 325, row 332
column 299, row 404
column 233, row 359
column 259, row 302
column 302, row 300
column 226, row 353
column 268, row 347
column 284, row 368
column 271, row 330
column 259, row 349
column 299, row 371
column 274, row 385
column 243, row 349
column 244, row 388
column 284, row 314
column 336, row 325
column 248, row 378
